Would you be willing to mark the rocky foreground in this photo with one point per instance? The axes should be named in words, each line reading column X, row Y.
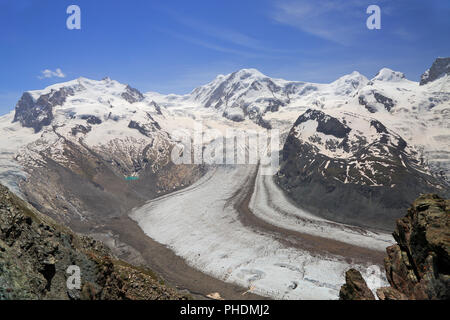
column 35, row 253
column 418, row 266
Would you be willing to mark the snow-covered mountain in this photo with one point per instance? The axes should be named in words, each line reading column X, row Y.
column 365, row 161
column 249, row 94
column 88, row 147
column 352, row 169
column 418, row 112
column 103, row 131
column 356, row 151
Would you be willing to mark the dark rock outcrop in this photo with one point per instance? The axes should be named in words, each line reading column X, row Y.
column 325, row 124
column 147, row 128
column 418, row 266
column 39, row 113
column 132, row 95
column 80, row 129
column 91, row 119
column 388, row 103
column 157, row 107
column 35, row 253
column 355, row 288
column 362, row 101
column 440, row 67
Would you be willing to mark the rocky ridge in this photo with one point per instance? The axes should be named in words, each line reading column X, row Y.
column 35, row 253
column 418, row 266
column 352, row 169
column 440, row 67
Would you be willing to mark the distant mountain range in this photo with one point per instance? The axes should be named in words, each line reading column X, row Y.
column 354, row 145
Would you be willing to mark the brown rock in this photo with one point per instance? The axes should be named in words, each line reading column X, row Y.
column 389, row 293
column 418, row 266
column 355, row 287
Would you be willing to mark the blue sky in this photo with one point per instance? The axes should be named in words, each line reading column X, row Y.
column 175, row 46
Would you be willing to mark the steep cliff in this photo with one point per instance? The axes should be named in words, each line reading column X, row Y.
column 418, row 266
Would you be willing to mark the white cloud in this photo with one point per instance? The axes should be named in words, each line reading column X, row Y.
column 47, row 73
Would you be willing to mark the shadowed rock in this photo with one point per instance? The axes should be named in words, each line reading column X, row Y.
column 132, row 95
column 418, row 266
column 39, row 113
column 440, row 67
column 355, row 288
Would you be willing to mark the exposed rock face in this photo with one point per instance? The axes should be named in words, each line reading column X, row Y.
column 371, row 99
column 352, row 169
column 39, row 113
column 440, row 67
column 80, row 129
column 89, row 188
column 91, row 119
column 157, row 107
column 35, row 253
column 325, row 124
column 145, row 129
column 387, row 102
column 418, row 266
column 355, row 288
column 132, row 95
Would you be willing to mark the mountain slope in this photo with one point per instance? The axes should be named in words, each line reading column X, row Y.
column 89, row 150
column 418, row 112
column 35, row 253
column 92, row 150
column 352, row 169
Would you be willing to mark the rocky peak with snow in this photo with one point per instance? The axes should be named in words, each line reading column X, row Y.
column 439, row 68
column 397, row 122
column 87, row 99
column 246, row 93
column 348, row 84
column 37, row 113
column 352, row 168
column 387, row 74
column 132, row 95
column 88, row 137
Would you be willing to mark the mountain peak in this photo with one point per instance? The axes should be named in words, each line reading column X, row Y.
column 355, row 75
column 386, row 74
column 440, row 67
column 349, row 83
column 247, row 73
